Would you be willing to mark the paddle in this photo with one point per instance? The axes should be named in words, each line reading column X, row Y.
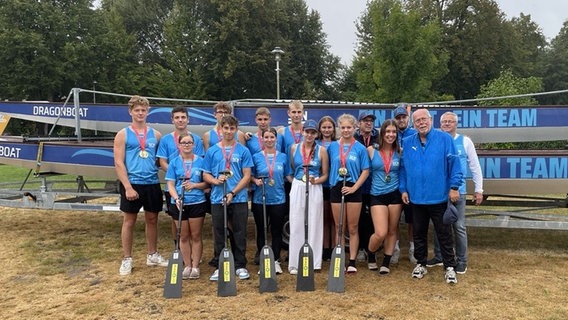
column 267, row 271
column 172, row 287
column 305, row 278
column 336, row 277
column 226, row 285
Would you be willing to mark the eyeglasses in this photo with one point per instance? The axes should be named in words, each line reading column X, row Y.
column 368, row 120
column 448, row 121
column 222, row 112
column 186, row 143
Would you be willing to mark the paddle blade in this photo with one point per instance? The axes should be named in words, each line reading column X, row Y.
column 226, row 285
column 336, row 277
column 172, row 287
column 305, row 278
column 267, row 271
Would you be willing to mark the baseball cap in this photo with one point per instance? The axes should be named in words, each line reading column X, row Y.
column 451, row 214
column 400, row 110
column 367, row 114
column 310, row 125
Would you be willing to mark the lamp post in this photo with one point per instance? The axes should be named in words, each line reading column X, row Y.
column 94, row 89
column 277, row 52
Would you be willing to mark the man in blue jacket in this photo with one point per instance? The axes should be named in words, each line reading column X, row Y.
column 430, row 174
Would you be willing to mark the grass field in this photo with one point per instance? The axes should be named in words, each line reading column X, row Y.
column 64, row 265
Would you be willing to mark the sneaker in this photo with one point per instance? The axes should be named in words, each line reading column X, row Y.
column 395, row 254
column 194, row 274
column 434, row 262
column 351, row 270
column 362, row 255
column 293, row 271
column 461, row 268
column 373, row 266
column 126, row 266
column 451, row 275
column 242, row 273
column 214, row 276
column 419, row 271
column 186, row 273
column 384, row 270
column 277, row 267
column 155, row 259
column 411, row 256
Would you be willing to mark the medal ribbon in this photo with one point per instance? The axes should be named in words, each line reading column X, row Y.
column 176, row 140
column 387, row 161
column 228, row 157
column 270, row 167
column 186, row 169
column 141, row 140
column 306, row 158
column 343, row 156
column 296, row 139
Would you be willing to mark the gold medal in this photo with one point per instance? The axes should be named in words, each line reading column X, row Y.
column 342, row 171
column 143, row 154
column 304, row 178
column 388, row 178
column 229, row 173
column 271, row 182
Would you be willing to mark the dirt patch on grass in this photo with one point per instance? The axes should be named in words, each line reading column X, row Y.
column 64, row 265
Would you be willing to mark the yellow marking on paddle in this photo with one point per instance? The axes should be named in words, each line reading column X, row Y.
column 305, row 269
column 267, row 273
column 173, row 275
column 226, row 272
column 336, row 267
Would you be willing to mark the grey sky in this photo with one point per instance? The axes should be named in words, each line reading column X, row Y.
column 339, row 16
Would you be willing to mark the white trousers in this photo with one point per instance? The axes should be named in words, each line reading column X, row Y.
column 315, row 222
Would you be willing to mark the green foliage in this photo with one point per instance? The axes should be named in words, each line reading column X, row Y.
column 556, row 68
column 508, row 84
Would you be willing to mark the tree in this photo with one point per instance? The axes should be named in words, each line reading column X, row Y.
column 403, row 55
column 556, row 69
column 507, row 84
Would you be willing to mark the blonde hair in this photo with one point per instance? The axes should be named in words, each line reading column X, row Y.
column 138, row 101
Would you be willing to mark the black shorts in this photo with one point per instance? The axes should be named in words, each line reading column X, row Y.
column 149, row 197
column 335, row 193
column 386, row 199
column 190, row 211
column 326, row 193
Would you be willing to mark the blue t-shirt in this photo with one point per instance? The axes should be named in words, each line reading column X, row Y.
column 275, row 194
column 177, row 171
column 255, row 145
column 315, row 162
column 141, row 170
column 379, row 183
column 168, row 148
column 215, row 163
column 356, row 161
column 290, row 139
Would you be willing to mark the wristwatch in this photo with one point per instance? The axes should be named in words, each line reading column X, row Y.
column 232, row 193
column 454, row 188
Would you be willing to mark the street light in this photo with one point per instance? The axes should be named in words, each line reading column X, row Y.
column 94, row 89
column 277, row 52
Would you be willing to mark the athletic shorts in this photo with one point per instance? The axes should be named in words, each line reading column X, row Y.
column 326, row 193
column 149, row 197
column 386, row 199
column 335, row 193
column 190, row 211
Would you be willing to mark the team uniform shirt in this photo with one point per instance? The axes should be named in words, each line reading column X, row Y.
column 290, row 138
column 275, row 194
column 403, row 135
column 468, row 160
column 215, row 137
column 298, row 162
column 169, row 146
column 356, row 161
column 215, row 163
column 378, row 172
column 141, row 170
column 435, row 163
column 324, row 144
column 366, row 142
column 178, row 169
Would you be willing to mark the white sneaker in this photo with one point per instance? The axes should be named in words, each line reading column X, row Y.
column 293, row 271
column 242, row 273
column 277, row 267
column 411, row 256
column 361, row 255
column 155, row 259
column 215, row 275
column 194, row 274
column 419, row 271
column 395, row 254
column 126, row 266
column 186, row 273
column 450, row 275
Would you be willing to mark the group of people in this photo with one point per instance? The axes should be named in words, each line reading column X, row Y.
column 370, row 174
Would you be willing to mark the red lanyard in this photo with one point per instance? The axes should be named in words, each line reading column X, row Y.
column 342, row 156
column 141, row 140
column 387, row 161
column 268, row 165
column 299, row 138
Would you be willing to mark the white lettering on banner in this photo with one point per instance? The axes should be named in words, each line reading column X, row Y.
column 9, row 152
column 59, row 111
